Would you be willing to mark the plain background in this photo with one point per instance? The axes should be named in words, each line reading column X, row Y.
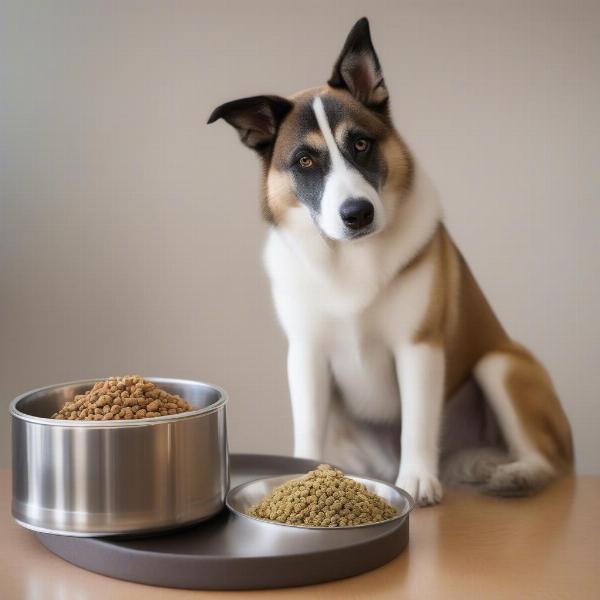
column 130, row 233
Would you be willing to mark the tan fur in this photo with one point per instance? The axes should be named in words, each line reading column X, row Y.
column 279, row 194
column 316, row 140
column 539, row 409
column 399, row 165
column 460, row 318
column 340, row 132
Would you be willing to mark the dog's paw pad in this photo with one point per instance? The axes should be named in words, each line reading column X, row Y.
column 426, row 489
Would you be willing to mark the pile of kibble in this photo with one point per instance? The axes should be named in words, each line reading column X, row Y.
column 324, row 497
column 129, row 397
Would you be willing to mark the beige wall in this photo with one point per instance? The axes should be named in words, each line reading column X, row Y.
column 130, row 232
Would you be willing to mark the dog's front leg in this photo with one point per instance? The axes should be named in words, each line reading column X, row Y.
column 310, row 390
column 421, row 369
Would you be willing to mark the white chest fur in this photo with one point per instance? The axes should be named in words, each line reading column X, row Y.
column 363, row 369
column 348, row 300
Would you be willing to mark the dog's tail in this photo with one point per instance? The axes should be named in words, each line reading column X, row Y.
column 495, row 472
column 472, row 465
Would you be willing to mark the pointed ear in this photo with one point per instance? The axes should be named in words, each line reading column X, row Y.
column 256, row 119
column 358, row 70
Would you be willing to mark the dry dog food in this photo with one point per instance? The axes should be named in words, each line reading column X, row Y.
column 129, row 397
column 324, row 497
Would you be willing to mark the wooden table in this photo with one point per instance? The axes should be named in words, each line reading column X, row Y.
column 471, row 546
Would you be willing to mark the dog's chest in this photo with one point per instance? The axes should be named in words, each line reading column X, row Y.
column 363, row 321
column 364, row 373
column 364, row 347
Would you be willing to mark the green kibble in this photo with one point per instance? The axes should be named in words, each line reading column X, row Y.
column 324, row 497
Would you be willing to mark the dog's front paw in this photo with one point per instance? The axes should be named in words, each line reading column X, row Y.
column 425, row 488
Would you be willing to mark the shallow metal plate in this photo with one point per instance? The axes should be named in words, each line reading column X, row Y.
column 244, row 496
column 233, row 552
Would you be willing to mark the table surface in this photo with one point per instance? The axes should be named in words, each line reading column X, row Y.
column 470, row 546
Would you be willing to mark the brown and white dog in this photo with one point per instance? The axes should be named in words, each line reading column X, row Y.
column 384, row 319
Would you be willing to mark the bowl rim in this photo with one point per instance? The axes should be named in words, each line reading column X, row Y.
column 18, row 414
column 409, row 500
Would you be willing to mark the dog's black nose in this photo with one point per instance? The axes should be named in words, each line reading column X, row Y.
column 357, row 213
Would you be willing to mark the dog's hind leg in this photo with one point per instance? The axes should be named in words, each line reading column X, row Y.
column 472, row 443
column 532, row 421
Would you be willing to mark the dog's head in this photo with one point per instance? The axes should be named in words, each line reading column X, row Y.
column 331, row 151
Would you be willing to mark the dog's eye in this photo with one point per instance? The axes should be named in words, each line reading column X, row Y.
column 306, row 162
column 361, row 145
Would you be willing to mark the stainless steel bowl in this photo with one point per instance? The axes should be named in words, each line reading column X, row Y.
column 98, row 478
column 242, row 497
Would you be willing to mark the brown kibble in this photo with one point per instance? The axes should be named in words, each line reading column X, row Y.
column 120, row 398
column 152, row 406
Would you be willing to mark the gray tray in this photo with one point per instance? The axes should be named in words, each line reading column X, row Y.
column 231, row 552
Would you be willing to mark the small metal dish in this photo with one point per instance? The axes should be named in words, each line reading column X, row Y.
column 241, row 498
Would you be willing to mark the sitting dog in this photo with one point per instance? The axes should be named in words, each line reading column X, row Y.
column 384, row 319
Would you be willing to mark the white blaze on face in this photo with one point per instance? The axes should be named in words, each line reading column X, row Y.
column 342, row 183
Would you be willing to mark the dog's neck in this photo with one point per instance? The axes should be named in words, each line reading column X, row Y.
column 361, row 268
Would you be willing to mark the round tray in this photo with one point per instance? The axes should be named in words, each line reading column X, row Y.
column 232, row 552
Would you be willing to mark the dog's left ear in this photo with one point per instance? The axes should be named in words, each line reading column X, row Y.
column 358, row 70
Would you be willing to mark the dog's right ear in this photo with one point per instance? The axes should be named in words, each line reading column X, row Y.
column 256, row 119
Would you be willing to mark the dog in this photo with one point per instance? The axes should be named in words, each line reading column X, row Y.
column 384, row 319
